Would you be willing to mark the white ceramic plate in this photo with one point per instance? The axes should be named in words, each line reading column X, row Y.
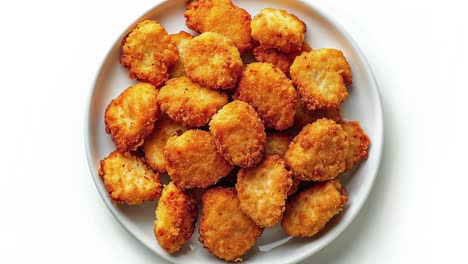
column 274, row 246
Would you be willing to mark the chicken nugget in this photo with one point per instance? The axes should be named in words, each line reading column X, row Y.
column 270, row 92
column 192, row 160
column 358, row 143
column 189, row 103
column 307, row 212
column 130, row 117
column 280, row 59
column 277, row 143
column 262, row 190
column 321, row 77
column 276, row 28
column 176, row 215
column 180, row 39
column 319, row 151
column 148, row 52
column 223, row 17
column 154, row 144
column 304, row 116
column 239, row 134
column 225, row 231
column 213, row 61
column 128, row 179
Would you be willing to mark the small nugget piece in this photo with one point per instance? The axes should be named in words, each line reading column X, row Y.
column 304, row 116
column 154, row 144
column 189, row 103
column 176, row 215
column 280, row 59
column 307, row 212
column 192, row 160
column 358, row 143
column 239, row 134
column 213, row 61
column 275, row 28
column 225, row 231
column 294, row 186
column 223, row 17
column 319, row 151
column 130, row 117
column 263, row 190
column 148, row 52
column 128, row 179
column 277, row 144
column 321, row 77
column 270, row 92
column 180, row 39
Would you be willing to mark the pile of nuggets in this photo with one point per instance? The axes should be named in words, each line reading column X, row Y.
column 256, row 144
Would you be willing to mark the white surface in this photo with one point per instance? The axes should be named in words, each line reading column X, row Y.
column 52, row 213
column 274, row 246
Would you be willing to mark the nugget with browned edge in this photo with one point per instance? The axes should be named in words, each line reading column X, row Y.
column 225, row 231
column 128, row 179
column 307, row 212
column 358, row 143
column 277, row 143
column 304, row 116
column 130, row 117
column 180, row 39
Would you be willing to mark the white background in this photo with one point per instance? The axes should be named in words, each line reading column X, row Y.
column 52, row 213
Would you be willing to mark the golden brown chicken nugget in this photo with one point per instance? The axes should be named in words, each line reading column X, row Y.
column 304, row 116
column 225, row 231
column 321, row 77
column 153, row 147
column 189, row 103
column 128, row 179
column 277, row 143
column 130, row 117
column 213, row 61
column 176, row 215
column 276, row 28
column 223, row 17
column 358, row 143
column 271, row 94
column 307, row 212
column 262, row 190
column 148, row 52
column 280, row 59
column 239, row 134
column 180, row 39
column 319, row 151
column 192, row 160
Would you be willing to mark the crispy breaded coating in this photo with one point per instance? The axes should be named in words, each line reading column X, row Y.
column 213, row 61
column 277, row 143
column 192, row 160
column 276, row 28
column 294, row 186
column 304, row 116
column 223, row 17
column 321, row 77
column 319, row 151
column 280, row 59
column 176, row 215
column 189, row 103
column 128, row 179
column 180, row 39
column 130, row 117
column 239, row 134
column 270, row 92
column 148, row 52
column 262, row 190
column 358, row 143
column 225, row 231
column 307, row 212
column 154, row 143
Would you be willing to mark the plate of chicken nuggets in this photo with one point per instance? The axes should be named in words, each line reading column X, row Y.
column 228, row 131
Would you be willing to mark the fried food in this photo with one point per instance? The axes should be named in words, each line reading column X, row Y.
column 358, row 143
column 270, row 92
column 189, row 103
column 294, row 186
column 262, row 190
column 148, row 52
column 280, row 59
column 304, row 116
column 277, row 143
column 223, row 17
column 307, row 212
column 239, row 134
column 225, row 231
column 321, row 77
column 180, row 39
column 319, row 151
column 213, row 61
column 154, row 144
column 275, row 28
column 130, row 117
column 176, row 215
column 128, row 179
column 192, row 160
